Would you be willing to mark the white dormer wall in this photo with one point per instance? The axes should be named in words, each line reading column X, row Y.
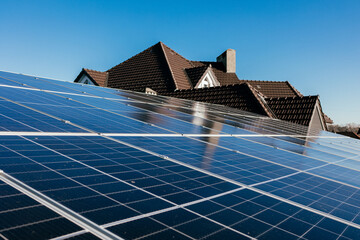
column 85, row 80
column 316, row 122
column 207, row 81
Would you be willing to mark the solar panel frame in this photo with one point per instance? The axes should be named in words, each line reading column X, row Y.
column 196, row 157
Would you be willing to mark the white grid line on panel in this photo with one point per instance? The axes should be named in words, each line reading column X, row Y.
column 249, row 187
column 171, row 208
column 92, row 133
column 126, row 183
column 295, row 169
column 94, row 96
column 58, row 208
column 70, row 235
column 97, row 191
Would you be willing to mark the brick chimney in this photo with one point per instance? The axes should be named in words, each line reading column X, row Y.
column 228, row 58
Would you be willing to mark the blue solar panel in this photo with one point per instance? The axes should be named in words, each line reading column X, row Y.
column 90, row 162
column 22, row 217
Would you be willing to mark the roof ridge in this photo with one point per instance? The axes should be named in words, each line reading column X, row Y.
column 158, row 43
column 88, row 69
column 168, row 63
column 260, row 80
column 293, row 97
column 163, row 44
column 205, row 66
column 171, row 67
column 293, row 88
column 321, row 112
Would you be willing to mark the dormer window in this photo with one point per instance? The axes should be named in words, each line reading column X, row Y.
column 206, row 83
column 85, row 80
column 208, row 80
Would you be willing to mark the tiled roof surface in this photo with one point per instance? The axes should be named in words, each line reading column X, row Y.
column 218, row 68
column 195, row 73
column 274, row 89
column 99, row 77
column 177, row 65
column 146, row 69
column 294, row 109
column 236, row 96
column 168, row 73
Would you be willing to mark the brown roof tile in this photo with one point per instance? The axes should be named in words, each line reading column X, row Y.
column 177, row 65
column 195, row 73
column 274, row 89
column 219, row 70
column 99, row 77
column 294, row 109
column 168, row 73
column 146, row 69
column 237, row 96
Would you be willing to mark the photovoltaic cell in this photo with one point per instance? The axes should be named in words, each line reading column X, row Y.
column 21, row 216
column 238, row 176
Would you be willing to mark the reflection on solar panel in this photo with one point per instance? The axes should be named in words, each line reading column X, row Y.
column 85, row 162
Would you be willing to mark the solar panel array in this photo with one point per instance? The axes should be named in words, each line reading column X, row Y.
column 85, row 162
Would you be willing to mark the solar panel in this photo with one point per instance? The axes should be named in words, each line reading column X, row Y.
column 85, row 162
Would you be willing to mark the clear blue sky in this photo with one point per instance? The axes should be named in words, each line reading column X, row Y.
column 313, row 44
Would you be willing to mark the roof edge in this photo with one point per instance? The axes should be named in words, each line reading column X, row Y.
column 168, row 64
column 263, row 105
column 133, row 56
column 294, row 89
column 322, row 113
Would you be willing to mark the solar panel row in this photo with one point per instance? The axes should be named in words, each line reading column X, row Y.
column 132, row 166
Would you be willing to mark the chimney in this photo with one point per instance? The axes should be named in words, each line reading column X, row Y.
column 228, row 58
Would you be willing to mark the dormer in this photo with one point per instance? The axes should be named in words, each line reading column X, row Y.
column 208, row 79
column 92, row 77
column 202, row 77
column 84, row 79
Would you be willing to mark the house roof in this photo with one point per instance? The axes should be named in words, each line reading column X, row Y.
column 168, row 73
column 219, row 70
column 177, row 65
column 146, row 69
column 294, row 109
column 195, row 74
column 274, row 88
column 237, row 96
column 162, row 69
column 98, row 78
column 245, row 97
